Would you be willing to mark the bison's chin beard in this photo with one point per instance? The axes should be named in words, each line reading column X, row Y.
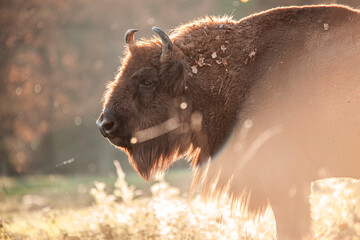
column 156, row 155
column 148, row 159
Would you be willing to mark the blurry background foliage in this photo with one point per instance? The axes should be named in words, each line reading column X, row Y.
column 55, row 59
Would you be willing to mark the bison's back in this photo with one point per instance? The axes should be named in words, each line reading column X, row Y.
column 313, row 92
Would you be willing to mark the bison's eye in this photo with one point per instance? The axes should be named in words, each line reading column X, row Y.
column 145, row 77
column 147, row 83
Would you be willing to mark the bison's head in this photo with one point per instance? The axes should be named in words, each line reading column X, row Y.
column 146, row 110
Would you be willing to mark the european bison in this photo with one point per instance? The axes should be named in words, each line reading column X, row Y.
column 273, row 99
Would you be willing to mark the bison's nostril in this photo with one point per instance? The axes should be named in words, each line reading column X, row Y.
column 107, row 126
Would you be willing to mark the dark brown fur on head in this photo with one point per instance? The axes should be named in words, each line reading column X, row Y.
column 147, row 93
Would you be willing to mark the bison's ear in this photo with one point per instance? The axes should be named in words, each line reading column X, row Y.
column 172, row 77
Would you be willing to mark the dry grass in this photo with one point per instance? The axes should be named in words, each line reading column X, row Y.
column 168, row 215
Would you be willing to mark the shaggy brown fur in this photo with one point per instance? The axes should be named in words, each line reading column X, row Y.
column 268, row 75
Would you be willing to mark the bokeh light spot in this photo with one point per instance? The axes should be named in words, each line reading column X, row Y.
column 77, row 121
column 248, row 123
column 40, row 24
column 150, row 21
column 133, row 140
column 37, row 88
column 196, row 120
column 183, row 105
column 18, row 91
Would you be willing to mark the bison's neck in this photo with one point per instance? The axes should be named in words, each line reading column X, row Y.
column 220, row 60
column 216, row 96
column 218, row 80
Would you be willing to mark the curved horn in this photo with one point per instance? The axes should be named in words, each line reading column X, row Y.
column 129, row 37
column 167, row 46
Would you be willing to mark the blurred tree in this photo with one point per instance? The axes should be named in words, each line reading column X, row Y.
column 24, row 65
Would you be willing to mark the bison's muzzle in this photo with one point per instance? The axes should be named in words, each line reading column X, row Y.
column 107, row 125
column 110, row 127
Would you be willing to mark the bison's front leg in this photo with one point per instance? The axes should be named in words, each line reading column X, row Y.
column 291, row 208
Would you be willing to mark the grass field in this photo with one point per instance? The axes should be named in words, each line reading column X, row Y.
column 55, row 207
